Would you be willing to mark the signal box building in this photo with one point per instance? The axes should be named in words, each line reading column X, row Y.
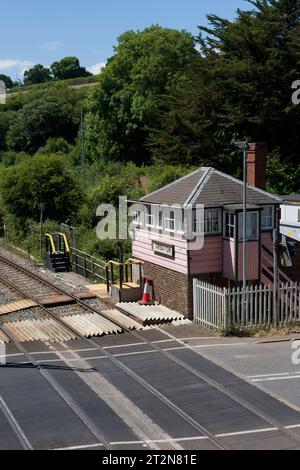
column 172, row 260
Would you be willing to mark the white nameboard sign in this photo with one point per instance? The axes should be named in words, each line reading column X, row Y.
column 163, row 249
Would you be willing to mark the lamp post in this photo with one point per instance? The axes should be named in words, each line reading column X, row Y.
column 244, row 147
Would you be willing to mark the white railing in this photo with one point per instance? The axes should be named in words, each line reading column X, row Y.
column 256, row 306
column 209, row 304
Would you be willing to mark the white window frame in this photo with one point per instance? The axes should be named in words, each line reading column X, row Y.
column 271, row 217
column 160, row 214
column 168, row 221
column 231, row 225
column 217, row 220
column 240, row 228
column 204, row 225
column 150, row 219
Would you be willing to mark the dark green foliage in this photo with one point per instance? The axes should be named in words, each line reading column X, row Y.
column 145, row 65
column 42, row 178
column 37, row 74
column 37, row 121
column 6, row 118
column 7, row 80
column 241, row 88
column 56, row 145
column 108, row 191
column 69, row 67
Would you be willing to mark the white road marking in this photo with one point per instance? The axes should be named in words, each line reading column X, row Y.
column 70, row 360
column 135, row 353
column 163, row 341
column 87, row 446
column 270, row 379
column 161, row 441
column 175, row 349
column 216, row 345
column 244, row 433
column 282, row 374
column 183, row 439
column 123, row 346
column 5, row 356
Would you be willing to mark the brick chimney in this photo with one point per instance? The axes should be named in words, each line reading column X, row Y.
column 257, row 164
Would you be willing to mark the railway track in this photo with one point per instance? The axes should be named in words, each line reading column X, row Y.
column 7, row 278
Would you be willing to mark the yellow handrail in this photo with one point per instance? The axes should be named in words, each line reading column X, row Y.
column 133, row 261
column 129, row 261
column 48, row 235
column 67, row 248
column 60, row 234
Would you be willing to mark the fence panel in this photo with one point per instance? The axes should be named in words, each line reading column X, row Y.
column 254, row 307
column 209, row 306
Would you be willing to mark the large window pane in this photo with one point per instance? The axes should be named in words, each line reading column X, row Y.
column 212, row 222
column 229, row 227
column 251, row 226
column 267, row 218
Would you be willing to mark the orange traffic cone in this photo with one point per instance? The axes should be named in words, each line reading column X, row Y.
column 146, row 300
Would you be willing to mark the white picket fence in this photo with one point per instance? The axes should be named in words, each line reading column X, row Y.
column 215, row 307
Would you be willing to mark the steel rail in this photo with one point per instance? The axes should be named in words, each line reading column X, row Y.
column 170, row 356
column 18, row 431
column 135, row 376
column 60, row 390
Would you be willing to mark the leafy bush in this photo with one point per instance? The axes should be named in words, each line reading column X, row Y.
column 42, row 178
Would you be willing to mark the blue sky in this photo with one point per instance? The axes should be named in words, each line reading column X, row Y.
column 42, row 31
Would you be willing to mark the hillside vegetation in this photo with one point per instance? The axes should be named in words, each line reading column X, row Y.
column 165, row 103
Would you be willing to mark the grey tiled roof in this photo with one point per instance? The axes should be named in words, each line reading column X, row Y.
column 178, row 191
column 209, row 187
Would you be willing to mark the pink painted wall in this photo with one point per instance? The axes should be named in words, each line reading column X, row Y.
column 266, row 239
column 217, row 255
column 142, row 249
column 253, row 268
column 209, row 259
column 229, row 259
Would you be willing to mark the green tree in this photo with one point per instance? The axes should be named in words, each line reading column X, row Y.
column 7, row 80
column 39, row 120
column 69, row 67
column 42, row 178
column 107, row 191
column 37, row 74
column 123, row 107
column 241, row 88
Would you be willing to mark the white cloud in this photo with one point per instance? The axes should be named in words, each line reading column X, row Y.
column 96, row 69
column 52, row 45
column 7, row 64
